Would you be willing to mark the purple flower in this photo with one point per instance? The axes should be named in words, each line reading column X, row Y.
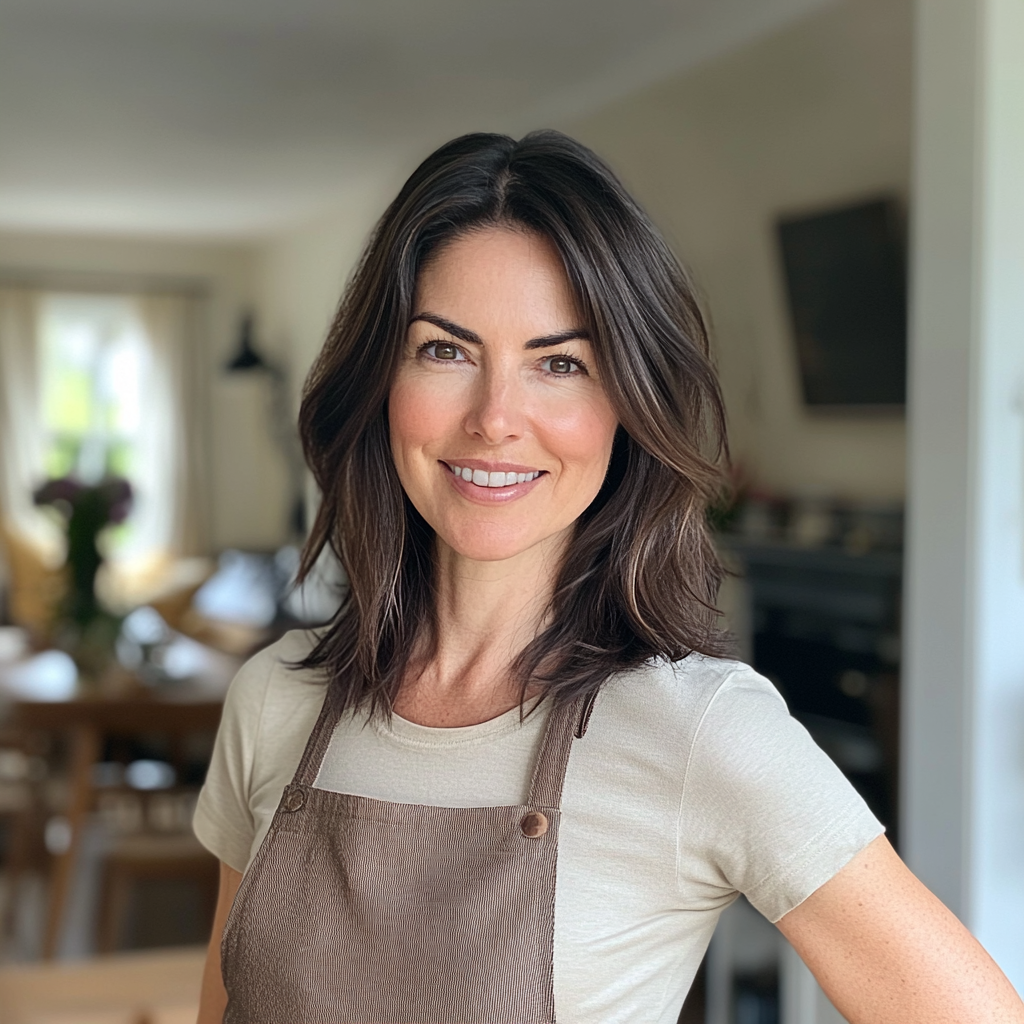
column 56, row 492
column 109, row 501
column 118, row 494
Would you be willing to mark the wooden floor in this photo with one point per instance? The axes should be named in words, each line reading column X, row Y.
column 128, row 988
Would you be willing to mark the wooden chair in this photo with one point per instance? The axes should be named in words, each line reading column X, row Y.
column 84, row 724
column 36, row 584
column 23, row 815
column 148, row 857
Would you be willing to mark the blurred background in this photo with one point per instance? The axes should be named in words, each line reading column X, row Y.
column 184, row 188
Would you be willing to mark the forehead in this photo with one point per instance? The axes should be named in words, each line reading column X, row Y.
column 498, row 275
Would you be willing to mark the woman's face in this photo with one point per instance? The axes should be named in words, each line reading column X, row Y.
column 501, row 430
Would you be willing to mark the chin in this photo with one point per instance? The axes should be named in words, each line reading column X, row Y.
column 485, row 546
column 489, row 552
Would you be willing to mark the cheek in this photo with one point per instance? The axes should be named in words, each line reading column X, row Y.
column 581, row 434
column 417, row 415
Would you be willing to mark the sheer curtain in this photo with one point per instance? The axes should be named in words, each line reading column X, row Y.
column 140, row 354
column 168, row 464
column 21, row 433
column 169, row 472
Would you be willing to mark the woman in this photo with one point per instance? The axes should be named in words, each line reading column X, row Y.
column 515, row 780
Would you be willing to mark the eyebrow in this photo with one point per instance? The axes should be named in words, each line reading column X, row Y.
column 472, row 338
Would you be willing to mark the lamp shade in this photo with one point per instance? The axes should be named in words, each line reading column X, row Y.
column 246, row 358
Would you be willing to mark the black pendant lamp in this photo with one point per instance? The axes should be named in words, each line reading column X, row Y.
column 246, row 358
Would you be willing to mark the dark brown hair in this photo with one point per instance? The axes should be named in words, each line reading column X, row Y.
column 640, row 577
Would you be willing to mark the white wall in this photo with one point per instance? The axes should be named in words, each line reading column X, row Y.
column 815, row 115
column 301, row 273
column 247, row 503
column 962, row 823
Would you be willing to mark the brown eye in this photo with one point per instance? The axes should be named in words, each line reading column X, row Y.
column 562, row 366
column 442, row 351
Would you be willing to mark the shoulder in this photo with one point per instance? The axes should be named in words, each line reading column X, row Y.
column 732, row 721
column 704, row 681
column 269, row 686
column 682, row 695
column 650, row 718
column 711, row 728
column 268, row 665
column 273, row 668
column 268, row 713
column 733, row 703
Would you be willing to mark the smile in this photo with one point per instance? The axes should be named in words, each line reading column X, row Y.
column 483, row 478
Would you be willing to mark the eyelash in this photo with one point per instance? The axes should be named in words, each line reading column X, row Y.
column 575, row 360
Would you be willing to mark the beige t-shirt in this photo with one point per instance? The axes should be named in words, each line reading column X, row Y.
column 691, row 785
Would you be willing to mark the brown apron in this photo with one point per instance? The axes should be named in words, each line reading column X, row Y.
column 362, row 911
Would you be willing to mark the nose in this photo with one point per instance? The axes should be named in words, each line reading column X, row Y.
column 497, row 412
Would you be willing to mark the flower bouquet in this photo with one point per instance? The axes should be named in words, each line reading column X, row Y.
column 82, row 626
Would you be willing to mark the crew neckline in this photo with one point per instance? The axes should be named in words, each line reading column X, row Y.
column 403, row 731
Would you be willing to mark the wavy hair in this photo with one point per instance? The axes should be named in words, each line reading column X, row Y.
column 640, row 576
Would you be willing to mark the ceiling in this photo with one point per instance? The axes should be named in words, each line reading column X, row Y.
column 234, row 118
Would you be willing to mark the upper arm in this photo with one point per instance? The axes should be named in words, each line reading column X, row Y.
column 268, row 715
column 764, row 810
column 224, row 821
column 887, row 951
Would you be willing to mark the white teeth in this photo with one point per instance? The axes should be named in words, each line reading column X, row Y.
column 482, row 478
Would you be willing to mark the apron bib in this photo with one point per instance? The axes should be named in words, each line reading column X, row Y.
column 362, row 911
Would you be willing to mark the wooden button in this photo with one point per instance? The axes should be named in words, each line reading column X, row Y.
column 534, row 825
column 294, row 800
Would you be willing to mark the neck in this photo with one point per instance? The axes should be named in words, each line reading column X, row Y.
column 487, row 612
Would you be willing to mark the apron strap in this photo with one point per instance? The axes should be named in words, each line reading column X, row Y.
column 567, row 722
column 318, row 742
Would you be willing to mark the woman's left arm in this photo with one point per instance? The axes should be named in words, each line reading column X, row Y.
column 886, row 951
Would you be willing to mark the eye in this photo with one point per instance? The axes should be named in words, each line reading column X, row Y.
column 563, row 366
column 443, row 351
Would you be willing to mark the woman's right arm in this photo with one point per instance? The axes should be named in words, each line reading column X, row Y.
column 212, row 998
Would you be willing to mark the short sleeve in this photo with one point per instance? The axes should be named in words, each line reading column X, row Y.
column 224, row 822
column 763, row 806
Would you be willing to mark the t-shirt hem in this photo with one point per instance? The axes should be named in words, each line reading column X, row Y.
column 801, row 876
column 211, row 835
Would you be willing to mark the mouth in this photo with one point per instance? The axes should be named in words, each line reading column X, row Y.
column 484, row 478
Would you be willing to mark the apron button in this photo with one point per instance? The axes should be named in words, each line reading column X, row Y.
column 534, row 825
column 295, row 800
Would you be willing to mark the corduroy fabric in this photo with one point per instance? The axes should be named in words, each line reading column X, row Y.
column 362, row 911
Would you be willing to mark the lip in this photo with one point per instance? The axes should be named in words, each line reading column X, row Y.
column 490, row 495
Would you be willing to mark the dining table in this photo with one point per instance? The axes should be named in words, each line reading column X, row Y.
column 40, row 693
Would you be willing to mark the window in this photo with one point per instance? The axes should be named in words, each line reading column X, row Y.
column 94, row 361
column 94, row 383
